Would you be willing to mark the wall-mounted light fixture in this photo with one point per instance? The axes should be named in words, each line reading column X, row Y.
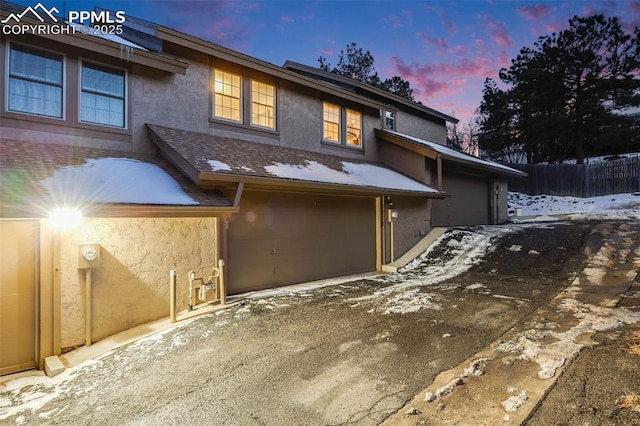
column 64, row 219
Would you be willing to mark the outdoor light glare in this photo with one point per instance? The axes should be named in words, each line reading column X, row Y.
column 65, row 219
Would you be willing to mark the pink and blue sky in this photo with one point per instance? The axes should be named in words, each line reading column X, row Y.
column 444, row 48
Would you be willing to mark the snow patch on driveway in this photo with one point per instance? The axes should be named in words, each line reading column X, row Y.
column 530, row 344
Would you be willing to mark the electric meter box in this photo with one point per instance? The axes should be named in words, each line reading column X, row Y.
column 88, row 256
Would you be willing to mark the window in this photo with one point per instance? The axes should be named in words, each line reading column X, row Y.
column 102, row 95
column 35, row 82
column 354, row 128
column 389, row 120
column 263, row 104
column 332, row 131
column 331, row 126
column 227, row 95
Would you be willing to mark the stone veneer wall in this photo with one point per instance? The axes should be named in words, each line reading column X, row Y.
column 131, row 286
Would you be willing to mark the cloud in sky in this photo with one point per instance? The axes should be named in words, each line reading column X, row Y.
column 497, row 30
column 534, row 13
column 432, row 41
column 436, row 78
column 227, row 23
column 398, row 20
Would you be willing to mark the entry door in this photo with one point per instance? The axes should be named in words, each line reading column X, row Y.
column 18, row 253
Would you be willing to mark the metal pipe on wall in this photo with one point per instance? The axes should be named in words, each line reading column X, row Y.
column 172, row 295
column 221, row 284
column 87, row 307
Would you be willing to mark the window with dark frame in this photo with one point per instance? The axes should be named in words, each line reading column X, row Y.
column 227, row 100
column 36, row 82
column 389, row 120
column 102, row 95
column 331, row 122
column 263, row 98
column 354, row 128
column 333, row 116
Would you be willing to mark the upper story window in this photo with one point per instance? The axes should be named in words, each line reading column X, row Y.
column 102, row 95
column 263, row 104
column 354, row 128
column 333, row 130
column 244, row 101
column 389, row 120
column 35, row 82
column 227, row 96
column 331, row 119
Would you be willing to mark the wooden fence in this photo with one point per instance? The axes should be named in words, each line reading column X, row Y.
column 579, row 180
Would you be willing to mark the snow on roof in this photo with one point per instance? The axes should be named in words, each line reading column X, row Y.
column 116, row 180
column 219, row 166
column 212, row 154
column 358, row 174
column 453, row 155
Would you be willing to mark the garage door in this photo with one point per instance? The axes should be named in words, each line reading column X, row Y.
column 280, row 239
column 18, row 247
column 468, row 204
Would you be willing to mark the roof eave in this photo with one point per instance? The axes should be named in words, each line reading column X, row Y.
column 203, row 46
column 206, row 180
column 145, row 210
column 115, row 210
column 407, row 144
column 433, row 154
column 111, row 48
column 173, row 157
column 487, row 168
column 372, row 89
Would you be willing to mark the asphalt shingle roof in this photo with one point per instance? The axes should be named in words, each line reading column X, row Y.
column 25, row 165
column 206, row 154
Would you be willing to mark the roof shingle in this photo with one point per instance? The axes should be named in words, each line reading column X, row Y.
column 25, row 168
column 209, row 156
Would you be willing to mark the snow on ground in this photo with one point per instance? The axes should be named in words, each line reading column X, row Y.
column 614, row 205
column 532, row 345
column 31, row 393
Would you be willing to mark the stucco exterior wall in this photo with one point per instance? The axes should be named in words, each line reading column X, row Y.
column 301, row 123
column 502, row 186
column 131, row 286
column 414, row 222
column 421, row 128
column 404, row 161
column 171, row 100
column 300, row 118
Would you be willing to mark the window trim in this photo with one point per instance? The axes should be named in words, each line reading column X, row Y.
column 125, row 99
column 339, row 123
column 240, row 98
column 393, row 119
column 343, row 126
column 273, row 107
column 347, row 127
column 63, row 84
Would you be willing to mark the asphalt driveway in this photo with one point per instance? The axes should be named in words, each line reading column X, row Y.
column 351, row 353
